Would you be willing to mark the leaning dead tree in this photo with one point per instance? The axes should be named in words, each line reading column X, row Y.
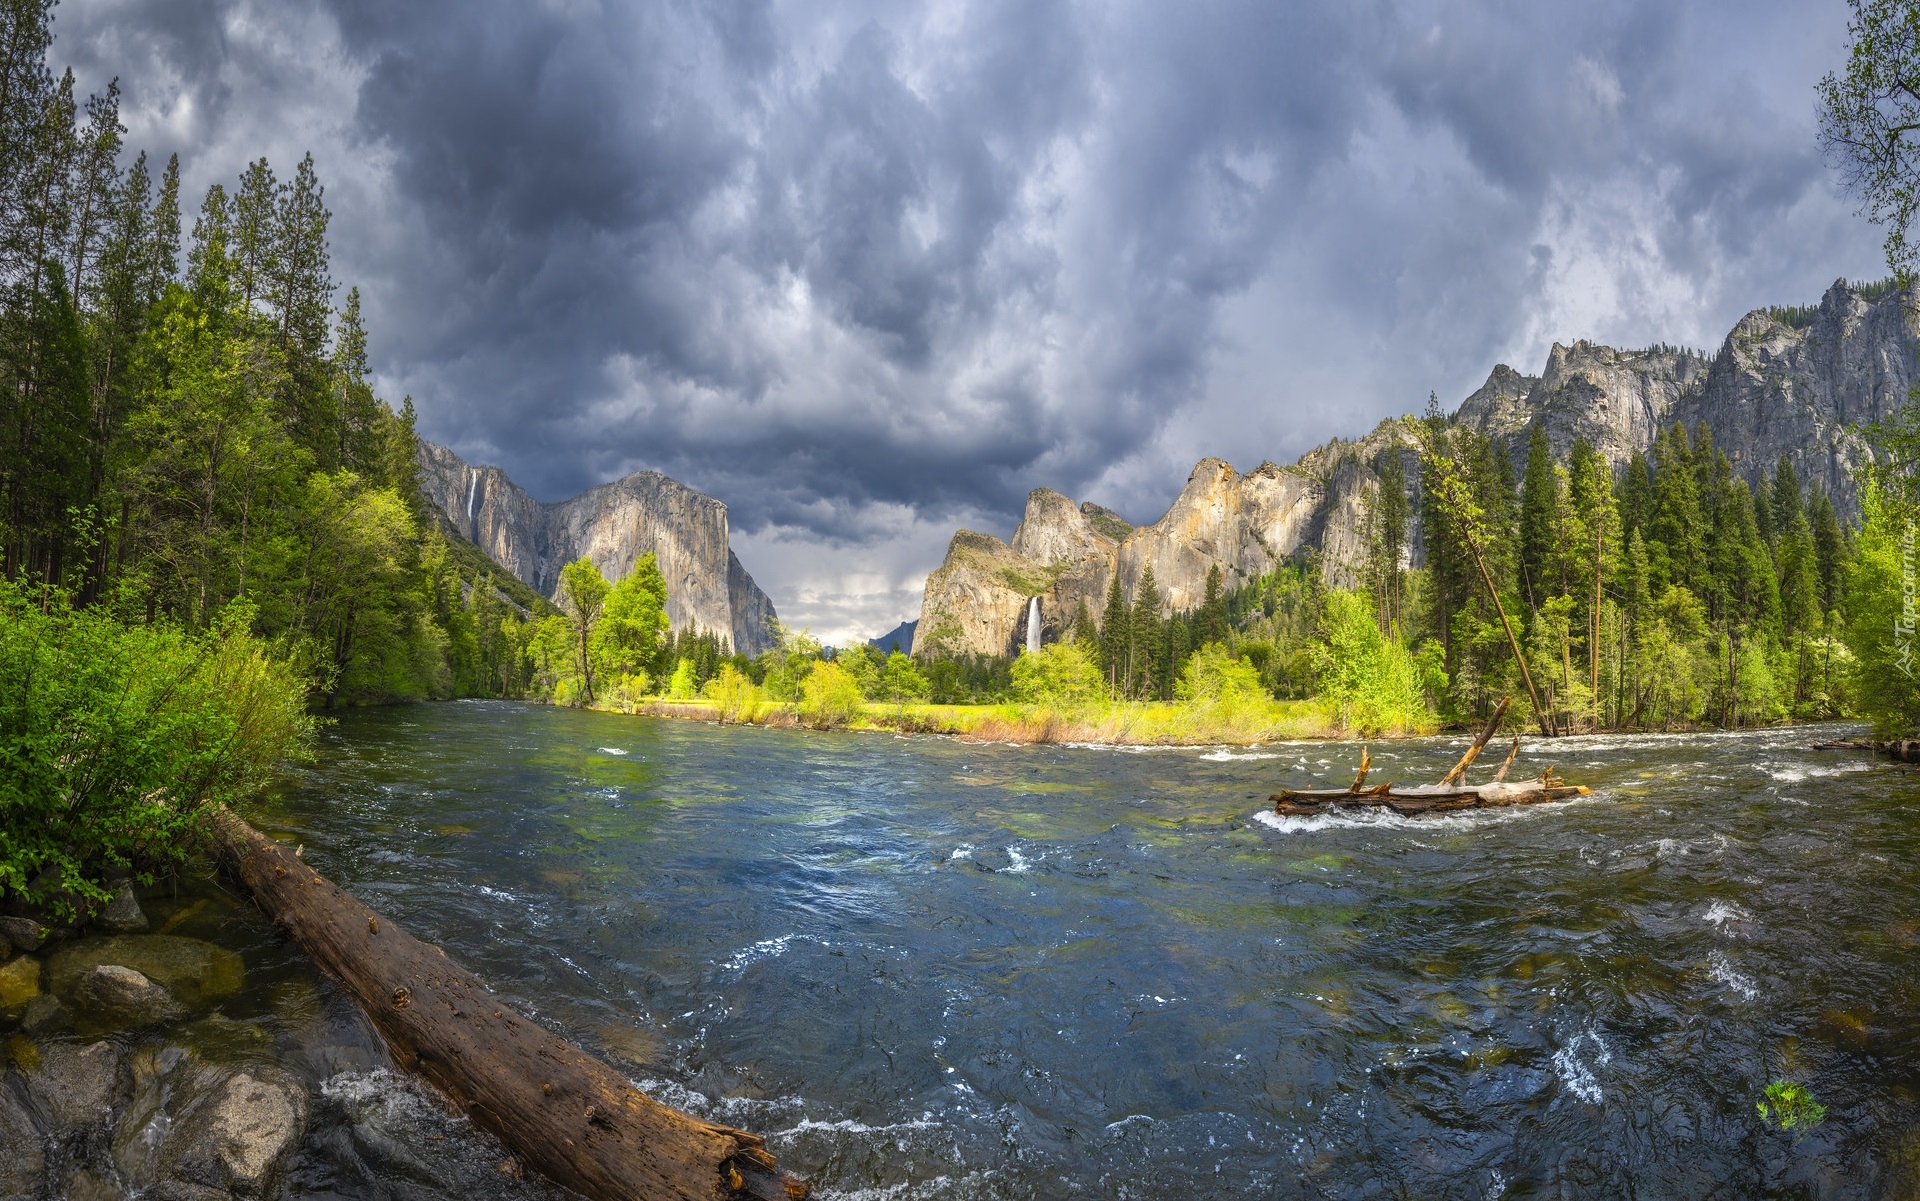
column 1441, row 477
column 561, row 1111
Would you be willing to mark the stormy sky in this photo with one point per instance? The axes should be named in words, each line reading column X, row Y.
column 871, row 271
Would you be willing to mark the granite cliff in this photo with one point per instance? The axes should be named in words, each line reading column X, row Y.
column 613, row 524
column 1792, row 382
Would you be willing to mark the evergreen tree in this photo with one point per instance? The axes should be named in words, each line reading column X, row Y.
column 1115, row 636
column 1538, row 513
column 1213, row 609
column 1147, row 646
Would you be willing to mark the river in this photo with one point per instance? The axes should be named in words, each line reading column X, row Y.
column 930, row 969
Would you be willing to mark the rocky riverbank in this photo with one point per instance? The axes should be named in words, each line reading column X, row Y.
column 174, row 1049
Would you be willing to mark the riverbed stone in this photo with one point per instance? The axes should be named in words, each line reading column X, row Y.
column 238, row 1139
column 23, row 933
column 45, row 1015
column 85, row 1184
column 113, row 995
column 19, row 982
column 23, row 1160
column 124, row 913
column 74, row 1088
column 193, row 970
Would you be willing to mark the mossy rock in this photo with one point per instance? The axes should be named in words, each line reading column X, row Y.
column 192, row 970
column 19, row 983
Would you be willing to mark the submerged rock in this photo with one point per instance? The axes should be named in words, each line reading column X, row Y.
column 45, row 1015
column 192, row 970
column 19, row 981
column 124, row 912
column 114, row 995
column 238, row 1139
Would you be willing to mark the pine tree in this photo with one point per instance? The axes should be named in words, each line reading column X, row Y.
column 1537, row 517
column 1213, row 609
column 256, row 233
column 1829, row 551
column 163, row 263
column 1115, row 636
column 1390, row 536
column 1147, row 649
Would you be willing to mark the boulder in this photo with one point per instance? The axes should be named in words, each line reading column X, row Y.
column 237, row 1139
column 73, row 1088
column 23, row 932
column 124, row 913
column 192, row 970
column 114, row 995
column 23, row 1162
column 19, row 982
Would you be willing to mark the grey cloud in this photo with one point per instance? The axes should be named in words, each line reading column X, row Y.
column 839, row 262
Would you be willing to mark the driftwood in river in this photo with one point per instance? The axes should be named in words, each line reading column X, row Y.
column 1451, row 793
column 563, row 1112
column 1906, row 750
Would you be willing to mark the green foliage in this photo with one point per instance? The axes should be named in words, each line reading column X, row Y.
column 1215, row 679
column 901, row 680
column 1881, row 623
column 1790, row 1107
column 1870, row 119
column 684, row 686
column 829, row 696
column 1368, row 677
column 114, row 739
column 633, row 618
column 1063, row 675
column 734, row 695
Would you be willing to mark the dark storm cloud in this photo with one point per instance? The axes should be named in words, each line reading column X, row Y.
column 865, row 271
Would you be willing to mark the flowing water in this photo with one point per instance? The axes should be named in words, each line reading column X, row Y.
column 929, row 969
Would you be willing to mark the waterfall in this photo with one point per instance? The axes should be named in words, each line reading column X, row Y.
column 473, row 486
column 1033, row 624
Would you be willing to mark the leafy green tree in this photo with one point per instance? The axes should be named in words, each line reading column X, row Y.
column 583, row 594
column 1870, row 120
column 632, row 620
column 1368, row 677
column 902, row 680
column 1215, row 679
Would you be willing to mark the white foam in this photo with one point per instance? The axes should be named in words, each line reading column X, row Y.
column 1016, row 862
column 766, row 948
column 1723, row 971
column 1575, row 1073
column 1380, row 818
column 963, row 851
column 924, row 1190
column 611, row 750
column 849, row 1126
column 1226, row 756
column 1721, row 912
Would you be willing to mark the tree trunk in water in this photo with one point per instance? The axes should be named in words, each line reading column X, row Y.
column 563, row 1112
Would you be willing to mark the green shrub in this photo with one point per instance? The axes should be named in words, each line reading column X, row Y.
column 114, row 740
column 1063, row 675
column 829, row 696
column 1790, row 1107
column 733, row 693
column 1368, row 677
column 1215, row 679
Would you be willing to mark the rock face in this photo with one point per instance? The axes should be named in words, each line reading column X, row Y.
column 1773, row 388
column 613, row 524
column 976, row 602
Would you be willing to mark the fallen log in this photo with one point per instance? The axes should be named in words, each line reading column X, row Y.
column 1414, row 799
column 1906, row 750
column 561, row 1111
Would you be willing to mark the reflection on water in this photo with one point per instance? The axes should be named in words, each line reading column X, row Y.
column 928, row 969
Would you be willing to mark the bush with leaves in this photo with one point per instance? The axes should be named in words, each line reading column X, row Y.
column 115, row 739
column 829, row 696
column 1063, row 676
column 733, row 693
column 1369, row 677
column 1214, row 679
